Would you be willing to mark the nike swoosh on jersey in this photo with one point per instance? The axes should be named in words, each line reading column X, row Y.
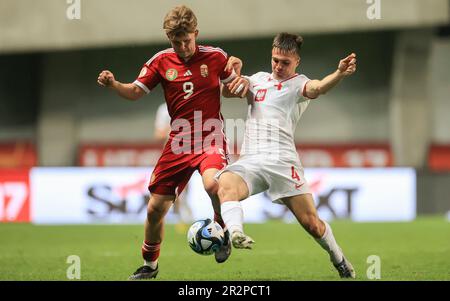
column 297, row 186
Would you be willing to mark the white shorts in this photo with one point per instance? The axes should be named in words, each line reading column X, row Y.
column 282, row 178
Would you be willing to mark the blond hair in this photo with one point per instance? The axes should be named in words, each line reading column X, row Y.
column 179, row 21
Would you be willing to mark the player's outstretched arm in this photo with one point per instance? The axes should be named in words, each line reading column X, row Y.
column 128, row 91
column 234, row 63
column 238, row 87
column 346, row 67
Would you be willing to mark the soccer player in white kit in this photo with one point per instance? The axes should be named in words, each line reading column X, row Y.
column 269, row 160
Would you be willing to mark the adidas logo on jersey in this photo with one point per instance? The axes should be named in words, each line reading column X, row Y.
column 188, row 73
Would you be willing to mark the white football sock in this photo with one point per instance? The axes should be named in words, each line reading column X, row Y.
column 233, row 216
column 151, row 264
column 329, row 244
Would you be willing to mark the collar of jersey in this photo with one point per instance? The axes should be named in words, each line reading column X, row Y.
column 284, row 80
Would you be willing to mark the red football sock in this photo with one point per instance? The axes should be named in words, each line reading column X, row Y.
column 150, row 252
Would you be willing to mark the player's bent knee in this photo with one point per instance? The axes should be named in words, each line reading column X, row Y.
column 154, row 213
column 232, row 188
column 314, row 230
column 211, row 187
column 157, row 208
column 312, row 225
column 227, row 193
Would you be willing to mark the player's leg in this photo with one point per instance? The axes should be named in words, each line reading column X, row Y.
column 211, row 163
column 232, row 190
column 157, row 208
column 302, row 206
column 211, row 187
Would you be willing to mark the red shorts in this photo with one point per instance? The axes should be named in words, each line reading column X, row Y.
column 173, row 171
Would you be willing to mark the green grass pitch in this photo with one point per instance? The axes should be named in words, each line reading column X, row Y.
column 417, row 250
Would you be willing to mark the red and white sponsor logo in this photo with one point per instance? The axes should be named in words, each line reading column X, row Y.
column 14, row 195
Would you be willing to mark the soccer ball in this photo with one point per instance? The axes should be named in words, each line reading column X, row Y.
column 205, row 236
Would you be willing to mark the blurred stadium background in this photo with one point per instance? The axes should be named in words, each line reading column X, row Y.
column 376, row 149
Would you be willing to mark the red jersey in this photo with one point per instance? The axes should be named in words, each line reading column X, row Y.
column 189, row 86
column 191, row 89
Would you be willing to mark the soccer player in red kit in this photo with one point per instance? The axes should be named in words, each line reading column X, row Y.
column 190, row 75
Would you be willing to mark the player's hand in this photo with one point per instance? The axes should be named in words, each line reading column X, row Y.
column 239, row 86
column 234, row 63
column 106, row 78
column 347, row 66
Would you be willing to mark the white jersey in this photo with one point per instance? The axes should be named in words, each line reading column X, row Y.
column 162, row 119
column 275, row 107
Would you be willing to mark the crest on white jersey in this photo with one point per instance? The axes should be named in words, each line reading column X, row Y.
column 260, row 95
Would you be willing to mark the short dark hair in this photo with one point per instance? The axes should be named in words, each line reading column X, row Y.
column 287, row 42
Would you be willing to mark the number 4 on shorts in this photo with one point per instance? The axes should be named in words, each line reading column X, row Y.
column 294, row 174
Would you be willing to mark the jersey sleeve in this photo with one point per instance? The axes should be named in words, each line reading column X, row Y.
column 149, row 77
column 225, row 76
column 301, row 88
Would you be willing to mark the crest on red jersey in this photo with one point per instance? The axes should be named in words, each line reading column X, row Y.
column 204, row 70
column 171, row 74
